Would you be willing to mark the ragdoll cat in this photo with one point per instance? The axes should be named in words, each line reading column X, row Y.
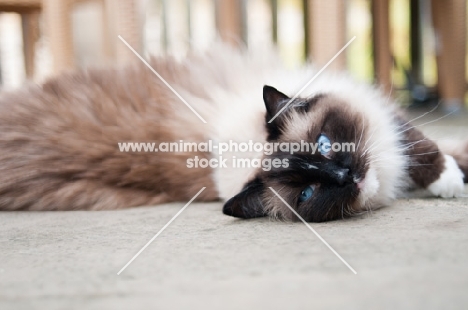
column 59, row 140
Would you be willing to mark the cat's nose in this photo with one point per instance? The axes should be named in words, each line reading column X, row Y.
column 342, row 175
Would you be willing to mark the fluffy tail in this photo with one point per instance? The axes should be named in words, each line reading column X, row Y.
column 459, row 151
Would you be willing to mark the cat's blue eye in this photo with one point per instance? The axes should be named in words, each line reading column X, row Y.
column 307, row 193
column 324, row 144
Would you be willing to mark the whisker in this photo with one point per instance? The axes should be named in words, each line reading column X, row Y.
column 373, row 161
column 373, row 146
column 329, row 209
column 384, row 156
column 430, row 122
column 391, row 90
column 370, row 137
column 362, row 131
column 416, row 118
column 416, row 165
column 434, row 152
column 411, row 144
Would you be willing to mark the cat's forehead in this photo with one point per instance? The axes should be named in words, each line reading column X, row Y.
column 329, row 110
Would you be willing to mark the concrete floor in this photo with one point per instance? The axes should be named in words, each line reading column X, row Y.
column 412, row 255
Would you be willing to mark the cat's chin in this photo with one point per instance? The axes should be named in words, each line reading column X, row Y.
column 368, row 187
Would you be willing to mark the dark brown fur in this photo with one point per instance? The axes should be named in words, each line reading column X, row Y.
column 426, row 160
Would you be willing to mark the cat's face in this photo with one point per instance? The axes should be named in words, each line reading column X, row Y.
column 319, row 185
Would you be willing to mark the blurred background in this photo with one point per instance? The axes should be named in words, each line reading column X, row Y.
column 415, row 49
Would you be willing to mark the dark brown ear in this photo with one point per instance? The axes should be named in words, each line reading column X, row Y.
column 248, row 203
column 274, row 102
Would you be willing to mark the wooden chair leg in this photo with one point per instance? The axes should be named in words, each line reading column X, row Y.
column 229, row 21
column 326, row 31
column 123, row 20
column 381, row 40
column 57, row 15
column 450, row 27
column 30, row 23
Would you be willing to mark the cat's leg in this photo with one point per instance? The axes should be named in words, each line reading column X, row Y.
column 429, row 168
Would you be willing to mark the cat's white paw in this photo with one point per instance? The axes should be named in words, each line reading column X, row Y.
column 450, row 183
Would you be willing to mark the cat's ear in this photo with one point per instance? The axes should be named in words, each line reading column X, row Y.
column 248, row 203
column 274, row 100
